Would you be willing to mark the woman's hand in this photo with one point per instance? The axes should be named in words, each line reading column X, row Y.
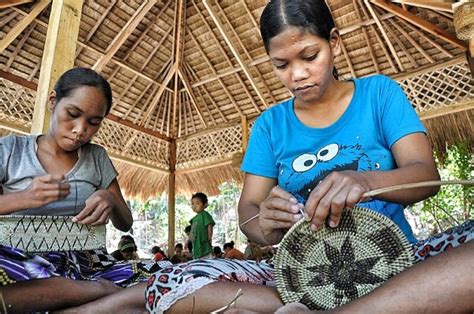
column 46, row 189
column 340, row 189
column 278, row 212
column 98, row 209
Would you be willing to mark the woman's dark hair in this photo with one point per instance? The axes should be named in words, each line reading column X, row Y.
column 311, row 16
column 77, row 77
column 178, row 246
column 217, row 250
column 229, row 245
column 201, row 196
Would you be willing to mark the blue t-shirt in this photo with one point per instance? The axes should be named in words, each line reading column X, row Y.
column 298, row 156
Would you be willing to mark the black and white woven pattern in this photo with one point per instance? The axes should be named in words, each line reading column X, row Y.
column 49, row 233
column 334, row 266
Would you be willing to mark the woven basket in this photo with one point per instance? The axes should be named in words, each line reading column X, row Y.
column 334, row 266
column 49, row 233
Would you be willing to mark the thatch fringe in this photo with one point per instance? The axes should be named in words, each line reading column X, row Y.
column 447, row 130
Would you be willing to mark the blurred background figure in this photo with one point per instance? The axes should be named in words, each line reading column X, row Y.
column 188, row 244
column 231, row 252
column 253, row 251
column 158, row 254
column 217, row 252
column 180, row 256
column 127, row 249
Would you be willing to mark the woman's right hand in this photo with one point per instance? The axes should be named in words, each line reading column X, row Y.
column 46, row 189
column 278, row 212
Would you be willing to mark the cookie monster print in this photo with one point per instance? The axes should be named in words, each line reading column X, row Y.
column 310, row 168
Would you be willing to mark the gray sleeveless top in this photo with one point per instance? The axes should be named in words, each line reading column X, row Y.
column 19, row 164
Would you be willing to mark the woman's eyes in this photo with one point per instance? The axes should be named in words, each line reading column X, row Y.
column 73, row 114
column 285, row 65
column 310, row 58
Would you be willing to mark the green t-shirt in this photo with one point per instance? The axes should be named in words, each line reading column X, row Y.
column 201, row 243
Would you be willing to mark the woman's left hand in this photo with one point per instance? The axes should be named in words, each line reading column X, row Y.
column 97, row 210
column 340, row 189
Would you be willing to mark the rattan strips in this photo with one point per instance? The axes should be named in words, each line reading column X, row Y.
column 334, row 266
column 49, row 233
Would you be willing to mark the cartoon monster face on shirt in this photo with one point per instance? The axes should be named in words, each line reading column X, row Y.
column 308, row 169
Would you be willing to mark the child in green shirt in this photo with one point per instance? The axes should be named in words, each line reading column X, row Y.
column 201, row 227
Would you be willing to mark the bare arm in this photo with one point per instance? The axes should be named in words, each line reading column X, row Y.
column 278, row 210
column 441, row 284
column 338, row 190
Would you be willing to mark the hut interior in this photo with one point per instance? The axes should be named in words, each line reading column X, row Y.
column 189, row 77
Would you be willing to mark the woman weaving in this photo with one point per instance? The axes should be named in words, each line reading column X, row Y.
column 62, row 173
column 317, row 152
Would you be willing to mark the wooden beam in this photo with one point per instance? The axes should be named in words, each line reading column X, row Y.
column 467, row 105
column 385, row 35
column 429, row 68
column 123, row 34
column 131, row 125
column 135, row 163
column 58, row 56
column 426, row 26
column 245, row 133
column 100, row 53
column 20, row 26
column 10, row 3
column 189, row 90
column 7, row 125
column 217, row 163
column 33, row 86
column 158, row 94
column 445, row 6
column 235, row 52
column 171, row 199
column 18, row 80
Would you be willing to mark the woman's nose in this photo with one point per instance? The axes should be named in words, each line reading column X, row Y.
column 80, row 129
column 299, row 72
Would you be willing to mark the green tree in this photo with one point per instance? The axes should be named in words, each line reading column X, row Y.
column 453, row 204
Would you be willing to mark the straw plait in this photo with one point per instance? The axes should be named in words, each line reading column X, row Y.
column 334, row 266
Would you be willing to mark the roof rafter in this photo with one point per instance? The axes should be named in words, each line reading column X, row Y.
column 123, row 34
column 384, row 34
column 427, row 26
column 10, row 3
column 442, row 5
column 20, row 26
column 235, row 52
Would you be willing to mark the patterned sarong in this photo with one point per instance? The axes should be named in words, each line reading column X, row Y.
column 170, row 284
column 16, row 265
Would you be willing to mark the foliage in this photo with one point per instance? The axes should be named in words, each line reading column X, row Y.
column 453, row 204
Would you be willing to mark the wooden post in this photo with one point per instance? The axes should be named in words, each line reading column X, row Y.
column 171, row 199
column 245, row 133
column 58, row 55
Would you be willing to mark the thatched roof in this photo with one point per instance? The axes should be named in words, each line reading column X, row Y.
column 189, row 72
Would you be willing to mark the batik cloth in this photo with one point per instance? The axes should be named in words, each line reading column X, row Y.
column 170, row 284
column 16, row 265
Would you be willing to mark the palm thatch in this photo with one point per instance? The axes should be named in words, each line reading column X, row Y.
column 194, row 73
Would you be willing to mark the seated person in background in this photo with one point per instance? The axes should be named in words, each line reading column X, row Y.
column 127, row 251
column 188, row 244
column 180, row 255
column 231, row 252
column 217, row 252
column 253, row 251
column 117, row 254
column 158, row 254
column 63, row 173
